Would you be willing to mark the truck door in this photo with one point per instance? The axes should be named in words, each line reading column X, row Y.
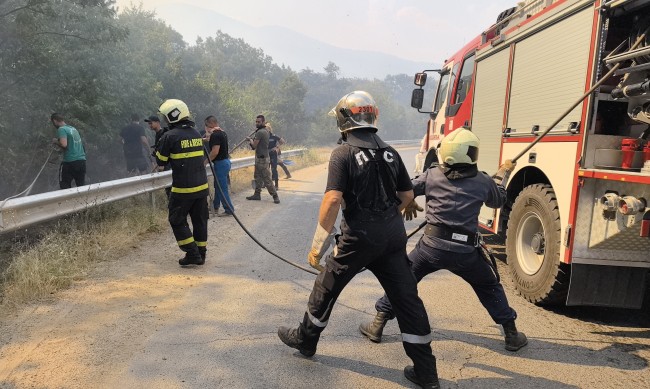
column 458, row 112
column 436, row 125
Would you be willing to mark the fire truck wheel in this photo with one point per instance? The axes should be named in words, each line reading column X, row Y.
column 533, row 246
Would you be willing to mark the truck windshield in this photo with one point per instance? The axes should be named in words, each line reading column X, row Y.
column 442, row 92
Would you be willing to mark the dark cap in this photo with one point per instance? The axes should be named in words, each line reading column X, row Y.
column 152, row 118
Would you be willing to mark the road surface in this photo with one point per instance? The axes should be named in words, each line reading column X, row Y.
column 144, row 322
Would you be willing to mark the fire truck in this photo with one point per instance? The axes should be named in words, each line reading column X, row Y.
column 563, row 87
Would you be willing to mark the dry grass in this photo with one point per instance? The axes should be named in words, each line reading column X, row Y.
column 37, row 268
column 66, row 253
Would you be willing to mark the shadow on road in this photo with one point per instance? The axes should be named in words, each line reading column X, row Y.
column 614, row 355
column 510, row 380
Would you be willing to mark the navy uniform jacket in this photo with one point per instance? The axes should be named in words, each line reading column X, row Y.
column 182, row 148
column 456, row 203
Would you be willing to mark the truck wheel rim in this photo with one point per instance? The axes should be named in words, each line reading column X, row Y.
column 530, row 243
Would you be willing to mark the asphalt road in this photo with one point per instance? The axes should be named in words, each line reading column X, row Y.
column 143, row 322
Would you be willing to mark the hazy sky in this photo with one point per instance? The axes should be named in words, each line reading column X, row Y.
column 418, row 30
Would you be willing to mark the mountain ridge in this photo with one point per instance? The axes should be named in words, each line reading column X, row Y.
column 285, row 46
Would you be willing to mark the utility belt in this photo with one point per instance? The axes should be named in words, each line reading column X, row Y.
column 453, row 235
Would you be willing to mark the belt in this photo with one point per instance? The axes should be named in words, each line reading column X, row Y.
column 452, row 235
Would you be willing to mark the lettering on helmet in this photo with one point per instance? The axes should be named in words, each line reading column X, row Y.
column 361, row 158
column 388, row 156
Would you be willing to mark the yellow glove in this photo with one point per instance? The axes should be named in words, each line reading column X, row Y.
column 322, row 241
column 314, row 260
column 502, row 175
column 411, row 210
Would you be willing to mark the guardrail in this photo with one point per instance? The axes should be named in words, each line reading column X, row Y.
column 24, row 211
column 408, row 142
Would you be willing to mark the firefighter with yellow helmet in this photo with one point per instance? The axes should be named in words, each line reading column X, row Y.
column 369, row 182
column 455, row 191
column 182, row 148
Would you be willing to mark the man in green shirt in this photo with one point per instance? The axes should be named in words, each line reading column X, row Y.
column 73, row 166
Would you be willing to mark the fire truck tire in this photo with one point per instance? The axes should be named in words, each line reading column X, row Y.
column 533, row 246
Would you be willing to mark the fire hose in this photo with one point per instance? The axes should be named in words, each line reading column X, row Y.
column 234, row 215
column 485, row 251
column 218, row 187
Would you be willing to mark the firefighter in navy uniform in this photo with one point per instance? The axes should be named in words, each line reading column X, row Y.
column 455, row 192
column 368, row 180
column 182, row 148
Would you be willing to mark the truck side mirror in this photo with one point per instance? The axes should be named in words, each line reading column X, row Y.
column 420, row 79
column 417, row 98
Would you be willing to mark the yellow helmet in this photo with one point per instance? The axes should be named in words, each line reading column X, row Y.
column 174, row 110
column 459, row 146
column 356, row 110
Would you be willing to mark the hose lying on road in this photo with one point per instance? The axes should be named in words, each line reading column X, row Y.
column 234, row 214
column 308, row 270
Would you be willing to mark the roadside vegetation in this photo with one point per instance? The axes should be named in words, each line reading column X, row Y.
column 97, row 66
column 49, row 258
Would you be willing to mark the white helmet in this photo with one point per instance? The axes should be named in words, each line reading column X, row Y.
column 174, row 110
column 459, row 146
column 356, row 110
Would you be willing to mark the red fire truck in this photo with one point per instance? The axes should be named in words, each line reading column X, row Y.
column 563, row 86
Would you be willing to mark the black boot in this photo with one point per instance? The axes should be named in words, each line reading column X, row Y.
column 375, row 328
column 276, row 199
column 255, row 196
column 430, row 383
column 514, row 339
column 276, row 184
column 191, row 258
column 203, row 253
column 295, row 338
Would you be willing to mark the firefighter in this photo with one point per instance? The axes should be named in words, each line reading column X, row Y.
column 182, row 148
column 368, row 180
column 455, row 192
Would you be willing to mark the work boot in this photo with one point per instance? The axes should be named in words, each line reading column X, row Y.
column 431, row 383
column 191, row 259
column 203, row 254
column 288, row 176
column 294, row 338
column 514, row 339
column 255, row 196
column 276, row 199
column 375, row 328
column 276, row 184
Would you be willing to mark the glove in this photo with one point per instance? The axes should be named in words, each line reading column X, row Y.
column 502, row 175
column 322, row 241
column 411, row 210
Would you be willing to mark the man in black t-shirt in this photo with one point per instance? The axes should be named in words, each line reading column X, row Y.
column 368, row 180
column 218, row 146
column 133, row 141
column 159, row 131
